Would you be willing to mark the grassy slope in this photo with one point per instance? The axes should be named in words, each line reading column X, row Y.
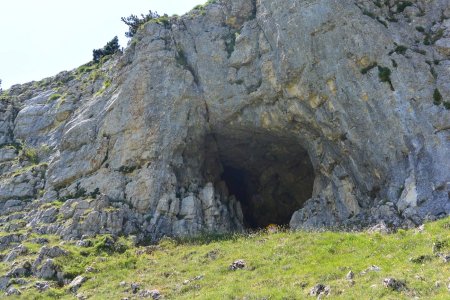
column 281, row 265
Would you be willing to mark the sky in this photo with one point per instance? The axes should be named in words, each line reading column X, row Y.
column 40, row 38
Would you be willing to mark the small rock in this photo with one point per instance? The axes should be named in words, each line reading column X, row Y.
column 81, row 297
column 186, row 282
column 374, row 268
column 155, row 294
column 437, row 284
column 10, row 256
column 19, row 250
column 394, row 284
column 90, row 269
column 42, row 286
column 22, row 270
column 48, row 270
column 13, row 291
column 421, row 228
column 238, row 264
column 52, row 252
column 350, row 275
column 445, row 257
column 4, row 283
column 199, row 277
column 135, row 287
column 122, row 283
column 76, row 283
column 443, row 46
column 418, row 277
column 420, row 259
column 319, row 289
column 379, row 228
column 84, row 243
column 20, row 281
column 40, row 241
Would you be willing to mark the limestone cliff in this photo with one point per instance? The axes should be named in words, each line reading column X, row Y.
column 240, row 114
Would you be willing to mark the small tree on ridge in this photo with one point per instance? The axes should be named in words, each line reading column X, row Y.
column 110, row 48
column 134, row 22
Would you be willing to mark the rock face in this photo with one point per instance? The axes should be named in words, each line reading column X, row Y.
column 241, row 114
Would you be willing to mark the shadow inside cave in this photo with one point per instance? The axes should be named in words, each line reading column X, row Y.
column 271, row 176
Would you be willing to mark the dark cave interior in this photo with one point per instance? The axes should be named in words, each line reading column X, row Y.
column 270, row 175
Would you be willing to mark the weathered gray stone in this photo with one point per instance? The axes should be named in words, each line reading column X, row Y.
column 7, row 154
column 17, row 251
column 22, row 270
column 76, row 283
column 48, row 270
column 4, row 283
column 52, row 252
column 7, row 240
column 443, row 46
column 12, row 291
column 42, row 286
column 394, row 284
column 319, row 289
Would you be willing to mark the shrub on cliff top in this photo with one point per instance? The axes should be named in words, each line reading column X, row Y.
column 134, row 22
column 110, row 48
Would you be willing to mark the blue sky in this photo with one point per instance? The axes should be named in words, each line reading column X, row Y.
column 39, row 39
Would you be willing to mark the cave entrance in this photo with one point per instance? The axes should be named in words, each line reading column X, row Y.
column 270, row 175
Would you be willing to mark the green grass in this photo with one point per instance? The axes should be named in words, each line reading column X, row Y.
column 282, row 265
column 368, row 68
column 30, row 154
column 54, row 97
column 437, row 97
column 400, row 49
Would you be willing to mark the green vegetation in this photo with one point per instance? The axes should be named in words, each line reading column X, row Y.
column 181, row 57
column 106, row 85
column 400, row 49
column 54, row 97
column 437, row 97
column 134, row 22
column 368, row 68
column 384, row 73
column 430, row 39
column 230, row 42
column 279, row 265
column 39, row 167
column 109, row 49
column 402, row 5
column 369, row 14
column 420, row 29
column 4, row 96
column 30, row 154
column 86, row 68
column 201, row 7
